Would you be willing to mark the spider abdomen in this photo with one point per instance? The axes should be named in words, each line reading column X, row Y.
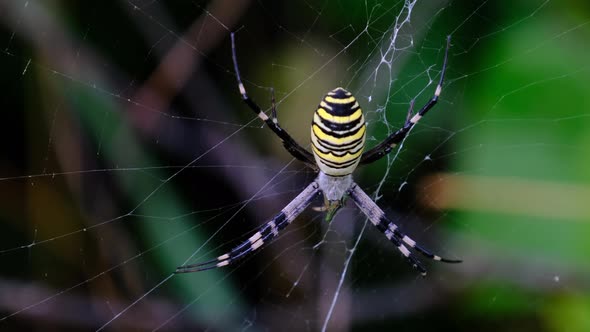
column 338, row 133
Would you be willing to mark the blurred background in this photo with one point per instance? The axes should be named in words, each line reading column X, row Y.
column 126, row 151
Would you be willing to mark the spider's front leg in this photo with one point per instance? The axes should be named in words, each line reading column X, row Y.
column 264, row 234
column 391, row 230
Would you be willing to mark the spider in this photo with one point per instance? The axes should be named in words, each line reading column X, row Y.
column 338, row 131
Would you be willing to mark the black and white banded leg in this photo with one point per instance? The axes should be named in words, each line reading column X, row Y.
column 391, row 230
column 272, row 122
column 264, row 234
column 383, row 148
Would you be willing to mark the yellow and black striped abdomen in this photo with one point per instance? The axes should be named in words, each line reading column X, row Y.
column 338, row 133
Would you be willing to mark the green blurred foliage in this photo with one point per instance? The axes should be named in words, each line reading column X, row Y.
column 515, row 106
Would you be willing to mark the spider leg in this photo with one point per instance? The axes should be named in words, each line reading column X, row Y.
column 390, row 230
column 272, row 122
column 383, row 148
column 264, row 234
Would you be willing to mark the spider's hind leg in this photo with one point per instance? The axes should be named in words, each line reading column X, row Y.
column 272, row 122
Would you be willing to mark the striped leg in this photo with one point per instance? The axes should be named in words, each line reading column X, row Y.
column 266, row 233
column 383, row 148
column 391, row 231
column 272, row 122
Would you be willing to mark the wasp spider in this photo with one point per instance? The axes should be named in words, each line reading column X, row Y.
column 338, row 132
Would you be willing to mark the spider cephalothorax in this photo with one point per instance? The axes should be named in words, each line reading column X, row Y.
column 338, row 133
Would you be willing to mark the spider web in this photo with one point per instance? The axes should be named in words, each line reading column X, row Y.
column 127, row 152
